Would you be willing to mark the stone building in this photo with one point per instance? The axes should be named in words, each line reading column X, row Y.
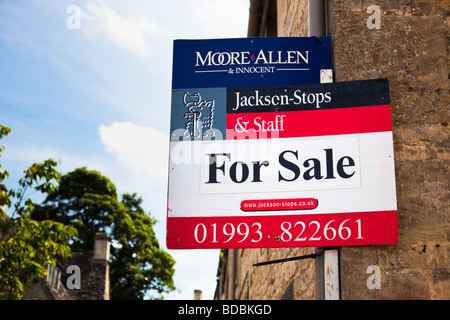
column 406, row 41
column 91, row 268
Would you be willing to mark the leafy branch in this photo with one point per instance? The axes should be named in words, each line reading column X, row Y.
column 28, row 246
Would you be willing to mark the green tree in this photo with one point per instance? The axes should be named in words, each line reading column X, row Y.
column 89, row 201
column 138, row 265
column 27, row 246
column 85, row 199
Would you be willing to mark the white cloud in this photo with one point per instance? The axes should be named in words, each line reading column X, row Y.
column 131, row 33
column 140, row 150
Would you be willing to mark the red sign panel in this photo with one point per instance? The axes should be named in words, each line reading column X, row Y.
column 340, row 229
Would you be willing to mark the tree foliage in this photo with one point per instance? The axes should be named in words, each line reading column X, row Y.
column 28, row 246
column 85, row 199
column 88, row 200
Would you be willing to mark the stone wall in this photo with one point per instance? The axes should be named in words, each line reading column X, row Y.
column 287, row 280
column 292, row 18
column 411, row 48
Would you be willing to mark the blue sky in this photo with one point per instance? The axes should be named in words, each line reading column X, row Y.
column 89, row 83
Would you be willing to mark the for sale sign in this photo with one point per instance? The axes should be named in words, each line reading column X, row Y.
column 281, row 166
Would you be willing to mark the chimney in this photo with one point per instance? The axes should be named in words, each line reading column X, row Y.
column 101, row 247
column 101, row 263
column 197, row 294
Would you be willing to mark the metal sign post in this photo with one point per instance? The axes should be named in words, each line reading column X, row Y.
column 327, row 273
column 331, row 274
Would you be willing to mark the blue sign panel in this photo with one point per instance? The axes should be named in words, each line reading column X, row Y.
column 249, row 62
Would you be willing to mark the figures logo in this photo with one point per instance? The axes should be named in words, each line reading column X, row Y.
column 200, row 116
